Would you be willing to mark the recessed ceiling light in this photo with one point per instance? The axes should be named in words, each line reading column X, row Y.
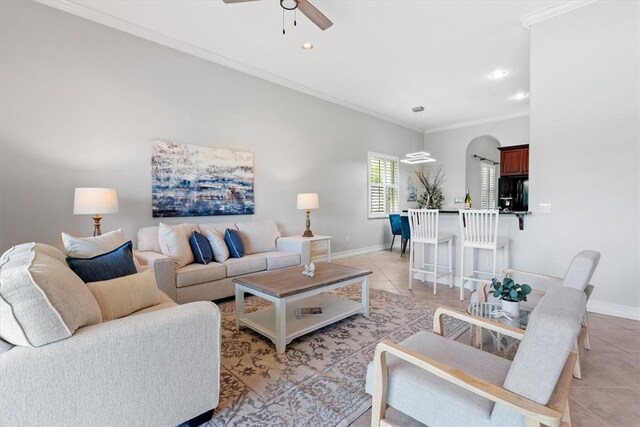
column 498, row 74
column 418, row 109
column 520, row 95
column 307, row 46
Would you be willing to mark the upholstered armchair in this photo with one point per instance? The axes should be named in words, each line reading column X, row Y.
column 443, row 382
column 578, row 276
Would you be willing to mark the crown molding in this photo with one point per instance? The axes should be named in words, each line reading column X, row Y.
column 554, row 10
column 147, row 34
column 477, row 122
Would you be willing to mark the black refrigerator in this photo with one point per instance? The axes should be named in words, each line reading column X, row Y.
column 513, row 193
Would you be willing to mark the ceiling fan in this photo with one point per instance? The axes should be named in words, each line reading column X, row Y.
column 303, row 6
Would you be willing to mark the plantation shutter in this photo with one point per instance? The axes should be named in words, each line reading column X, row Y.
column 488, row 186
column 384, row 177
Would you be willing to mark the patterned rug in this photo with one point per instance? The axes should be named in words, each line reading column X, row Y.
column 320, row 379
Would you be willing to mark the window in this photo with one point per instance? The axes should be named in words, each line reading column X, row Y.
column 488, row 185
column 383, row 185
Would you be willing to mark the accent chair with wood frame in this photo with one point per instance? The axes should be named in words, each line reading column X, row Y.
column 443, row 382
column 578, row 276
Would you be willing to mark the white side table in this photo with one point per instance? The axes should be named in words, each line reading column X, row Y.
column 318, row 243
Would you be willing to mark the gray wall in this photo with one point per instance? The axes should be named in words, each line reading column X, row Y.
column 81, row 103
column 585, row 145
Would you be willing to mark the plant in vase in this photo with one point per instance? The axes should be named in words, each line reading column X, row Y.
column 432, row 181
column 511, row 293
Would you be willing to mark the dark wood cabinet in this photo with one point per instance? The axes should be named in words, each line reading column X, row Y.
column 514, row 160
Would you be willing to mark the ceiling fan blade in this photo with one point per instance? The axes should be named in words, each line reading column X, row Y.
column 314, row 14
column 237, row 1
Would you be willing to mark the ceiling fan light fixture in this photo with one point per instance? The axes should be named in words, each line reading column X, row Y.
column 289, row 4
column 307, row 46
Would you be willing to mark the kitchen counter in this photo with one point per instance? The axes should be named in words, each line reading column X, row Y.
column 518, row 214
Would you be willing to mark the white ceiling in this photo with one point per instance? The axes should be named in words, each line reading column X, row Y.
column 381, row 57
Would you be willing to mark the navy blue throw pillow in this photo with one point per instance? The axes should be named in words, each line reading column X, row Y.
column 201, row 248
column 107, row 266
column 234, row 243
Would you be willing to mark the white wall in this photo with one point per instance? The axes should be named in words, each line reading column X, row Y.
column 449, row 148
column 585, row 145
column 81, row 103
column 584, row 151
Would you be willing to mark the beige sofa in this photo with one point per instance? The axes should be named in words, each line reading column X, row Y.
column 60, row 364
column 264, row 250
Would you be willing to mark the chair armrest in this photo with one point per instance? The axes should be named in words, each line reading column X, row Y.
column 108, row 373
column 438, row 322
column 530, row 409
column 300, row 246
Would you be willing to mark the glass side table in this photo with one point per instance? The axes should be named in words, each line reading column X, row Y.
column 499, row 344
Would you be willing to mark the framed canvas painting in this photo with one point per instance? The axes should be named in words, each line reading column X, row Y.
column 190, row 180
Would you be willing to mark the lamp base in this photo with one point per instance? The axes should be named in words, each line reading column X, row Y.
column 96, row 225
column 307, row 233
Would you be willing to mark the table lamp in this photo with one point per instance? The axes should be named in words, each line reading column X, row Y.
column 95, row 201
column 308, row 201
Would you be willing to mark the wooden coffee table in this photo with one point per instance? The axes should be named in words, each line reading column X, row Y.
column 289, row 289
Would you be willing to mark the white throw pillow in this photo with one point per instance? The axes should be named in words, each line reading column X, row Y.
column 218, row 245
column 174, row 242
column 88, row 247
column 125, row 295
column 41, row 299
column 258, row 236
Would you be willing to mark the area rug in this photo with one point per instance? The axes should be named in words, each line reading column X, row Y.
column 320, row 379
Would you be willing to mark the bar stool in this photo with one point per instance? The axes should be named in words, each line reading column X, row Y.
column 479, row 230
column 423, row 224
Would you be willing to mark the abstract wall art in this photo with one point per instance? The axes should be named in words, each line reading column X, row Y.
column 190, row 180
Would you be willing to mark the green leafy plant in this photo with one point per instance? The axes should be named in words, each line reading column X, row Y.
column 509, row 290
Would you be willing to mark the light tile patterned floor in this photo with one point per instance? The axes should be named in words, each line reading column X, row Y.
column 608, row 393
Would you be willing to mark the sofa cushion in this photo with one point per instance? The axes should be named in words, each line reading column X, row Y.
column 156, row 307
column 432, row 400
column 194, row 274
column 88, row 247
column 148, row 239
column 174, row 242
column 234, row 243
column 115, row 263
column 281, row 259
column 218, row 226
column 218, row 245
column 125, row 295
column 201, row 249
column 42, row 300
column 258, row 236
column 246, row 264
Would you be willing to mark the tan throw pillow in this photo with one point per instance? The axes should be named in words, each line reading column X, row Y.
column 174, row 242
column 41, row 299
column 258, row 236
column 125, row 295
column 218, row 245
column 148, row 239
column 88, row 247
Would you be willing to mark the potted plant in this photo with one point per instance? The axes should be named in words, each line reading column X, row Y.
column 511, row 293
column 432, row 181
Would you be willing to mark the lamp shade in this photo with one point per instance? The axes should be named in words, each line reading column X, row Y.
column 308, row 201
column 91, row 201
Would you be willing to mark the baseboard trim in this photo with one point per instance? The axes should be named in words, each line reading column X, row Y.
column 355, row 252
column 616, row 310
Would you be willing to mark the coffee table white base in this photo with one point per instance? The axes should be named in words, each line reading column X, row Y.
column 280, row 324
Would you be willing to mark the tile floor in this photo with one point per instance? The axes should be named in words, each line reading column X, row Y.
column 608, row 393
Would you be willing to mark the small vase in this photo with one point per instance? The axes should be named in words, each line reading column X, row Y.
column 511, row 308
